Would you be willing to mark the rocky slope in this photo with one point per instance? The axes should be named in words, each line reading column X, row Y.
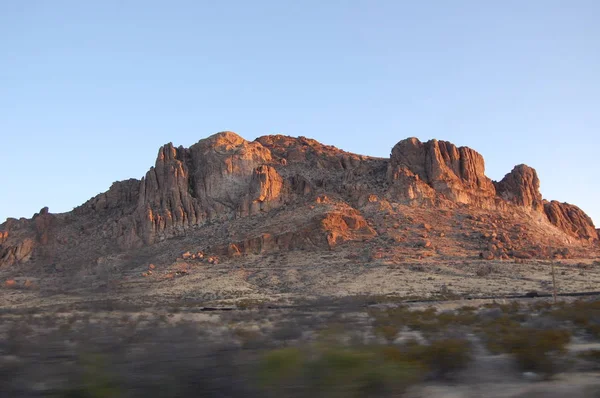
column 235, row 197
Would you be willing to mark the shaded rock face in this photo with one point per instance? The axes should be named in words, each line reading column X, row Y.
column 19, row 238
column 18, row 253
column 522, row 187
column 302, row 150
column 122, row 194
column 571, row 219
column 408, row 186
column 458, row 173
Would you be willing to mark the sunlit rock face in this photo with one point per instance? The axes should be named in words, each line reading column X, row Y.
column 522, row 187
column 571, row 219
column 457, row 173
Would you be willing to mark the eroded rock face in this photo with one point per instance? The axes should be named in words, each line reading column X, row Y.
column 21, row 252
column 225, row 176
column 458, row 173
column 408, row 186
column 571, row 219
column 122, row 194
column 522, row 187
column 20, row 238
column 266, row 188
column 211, row 180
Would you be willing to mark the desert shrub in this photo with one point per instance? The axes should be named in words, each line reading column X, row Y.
column 485, row 270
column 541, row 305
column 510, row 308
column 401, row 316
column 495, row 330
column 280, row 369
column 442, row 358
column 337, row 371
column 249, row 338
column 16, row 339
column 460, row 317
column 388, row 322
column 536, row 350
column 388, row 332
column 360, row 372
column 250, row 304
column 287, row 331
column 592, row 356
column 582, row 314
column 96, row 381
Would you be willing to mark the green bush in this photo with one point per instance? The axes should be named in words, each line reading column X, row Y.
column 388, row 322
column 280, row 369
column 336, row 371
column 96, row 381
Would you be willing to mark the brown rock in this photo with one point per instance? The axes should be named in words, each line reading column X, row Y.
column 325, row 227
column 282, row 193
column 456, row 173
column 486, row 255
column 522, row 187
column 570, row 219
column 19, row 253
column 3, row 236
column 425, row 243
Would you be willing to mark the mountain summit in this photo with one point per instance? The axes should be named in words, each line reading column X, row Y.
column 233, row 197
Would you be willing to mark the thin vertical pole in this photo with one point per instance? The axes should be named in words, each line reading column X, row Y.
column 553, row 283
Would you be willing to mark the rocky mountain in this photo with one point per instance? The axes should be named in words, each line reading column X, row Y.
column 233, row 197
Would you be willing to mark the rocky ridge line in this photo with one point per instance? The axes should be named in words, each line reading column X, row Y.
column 224, row 177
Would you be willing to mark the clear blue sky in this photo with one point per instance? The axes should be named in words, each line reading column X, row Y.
column 90, row 89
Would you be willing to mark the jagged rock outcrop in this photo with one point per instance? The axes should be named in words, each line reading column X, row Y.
column 217, row 178
column 20, row 238
column 122, row 194
column 14, row 254
column 408, row 186
column 458, row 173
column 522, row 187
column 266, row 188
column 571, row 219
column 302, row 150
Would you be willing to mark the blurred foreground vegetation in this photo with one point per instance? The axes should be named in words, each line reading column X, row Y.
column 345, row 348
